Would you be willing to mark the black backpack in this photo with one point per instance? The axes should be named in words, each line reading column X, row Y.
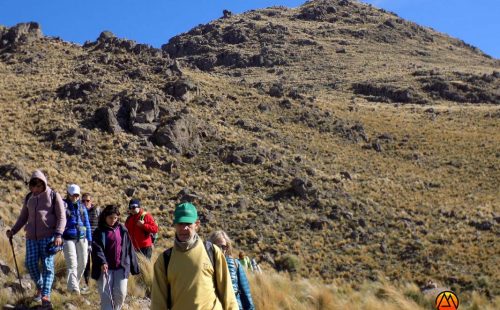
column 209, row 247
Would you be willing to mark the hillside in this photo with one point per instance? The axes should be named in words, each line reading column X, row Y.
column 362, row 145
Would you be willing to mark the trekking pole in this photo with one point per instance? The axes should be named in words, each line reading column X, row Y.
column 109, row 290
column 15, row 261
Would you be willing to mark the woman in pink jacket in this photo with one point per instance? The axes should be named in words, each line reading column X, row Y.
column 44, row 219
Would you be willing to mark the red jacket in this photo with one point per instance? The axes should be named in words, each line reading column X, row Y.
column 141, row 236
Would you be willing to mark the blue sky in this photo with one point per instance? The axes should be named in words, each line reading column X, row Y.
column 155, row 21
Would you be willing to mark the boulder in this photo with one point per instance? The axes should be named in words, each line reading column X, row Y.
column 319, row 224
column 136, row 112
column 180, row 134
column 76, row 90
column 181, row 89
column 276, row 90
column 105, row 119
column 302, row 188
column 13, row 172
column 226, row 14
column 4, row 268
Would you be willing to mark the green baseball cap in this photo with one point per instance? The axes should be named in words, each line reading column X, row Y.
column 185, row 213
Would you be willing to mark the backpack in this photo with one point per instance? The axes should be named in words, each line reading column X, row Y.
column 154, row 236
column 209, row 247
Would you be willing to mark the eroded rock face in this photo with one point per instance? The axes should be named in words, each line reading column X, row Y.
column 107, row 41
column 135, row 111
column 180, row 134
column 387, row 93
column 181, row 89
column 20, row 33
column 471, row 89
column 77, row 90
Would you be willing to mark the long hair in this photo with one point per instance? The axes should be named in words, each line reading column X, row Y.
column 108, row 210
column 221, row 235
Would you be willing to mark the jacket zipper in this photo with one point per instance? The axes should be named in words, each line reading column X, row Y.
column 36, row 211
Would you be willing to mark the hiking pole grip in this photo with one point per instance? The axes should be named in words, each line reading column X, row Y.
column 15, row 261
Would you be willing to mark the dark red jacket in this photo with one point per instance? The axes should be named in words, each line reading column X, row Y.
column 141, row 236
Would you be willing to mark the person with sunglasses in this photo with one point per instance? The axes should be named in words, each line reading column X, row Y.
column 239, row 279
column 77, row 238
column 44, row 219
column 141, row 227
column 93, row 213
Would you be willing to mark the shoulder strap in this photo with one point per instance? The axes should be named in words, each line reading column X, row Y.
column 143, row 215
column 53, row 197
column 166, row 261
column 27, row 198
column 209, row 247
column 81, row 212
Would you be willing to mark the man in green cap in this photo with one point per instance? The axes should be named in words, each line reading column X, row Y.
column 192, row 274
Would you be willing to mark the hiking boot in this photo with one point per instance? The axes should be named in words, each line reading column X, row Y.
column 38, row 296
column 46, row 302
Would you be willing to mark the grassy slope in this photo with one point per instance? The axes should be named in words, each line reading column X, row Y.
column 437, row 162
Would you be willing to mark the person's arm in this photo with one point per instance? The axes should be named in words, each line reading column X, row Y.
column 244, row 288
column 60, row 215
column 159, row 290
column 149, row 224
column 98, row 256
column 21, row 220
column 225, row 291
column 86, row 222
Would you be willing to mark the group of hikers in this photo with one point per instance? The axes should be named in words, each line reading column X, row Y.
column 193, row 274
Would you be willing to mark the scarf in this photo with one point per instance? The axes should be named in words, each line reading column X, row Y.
column 184, row 246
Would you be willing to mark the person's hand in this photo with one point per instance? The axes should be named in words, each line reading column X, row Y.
column 58, row 241
column 9, row 234
column 104, row 268
column 140, row 223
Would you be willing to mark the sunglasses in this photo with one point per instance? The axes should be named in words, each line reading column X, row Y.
column 224, row 247
column 86, row 200
column 35, row 183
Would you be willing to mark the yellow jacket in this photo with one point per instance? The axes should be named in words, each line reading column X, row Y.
column 191, row 279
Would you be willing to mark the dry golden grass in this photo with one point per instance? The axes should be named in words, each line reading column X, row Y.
column 270, row 290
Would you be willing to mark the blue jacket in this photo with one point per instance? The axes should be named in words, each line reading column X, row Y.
column 240, row 284
column 77, row 222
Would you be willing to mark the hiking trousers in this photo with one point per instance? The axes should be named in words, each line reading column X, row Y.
column 75, row 255
column 117, row 285
column 36, row 250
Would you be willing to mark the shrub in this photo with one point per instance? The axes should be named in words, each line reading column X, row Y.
column 288, row 262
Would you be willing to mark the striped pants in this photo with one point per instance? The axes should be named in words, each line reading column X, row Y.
column 36, row 251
